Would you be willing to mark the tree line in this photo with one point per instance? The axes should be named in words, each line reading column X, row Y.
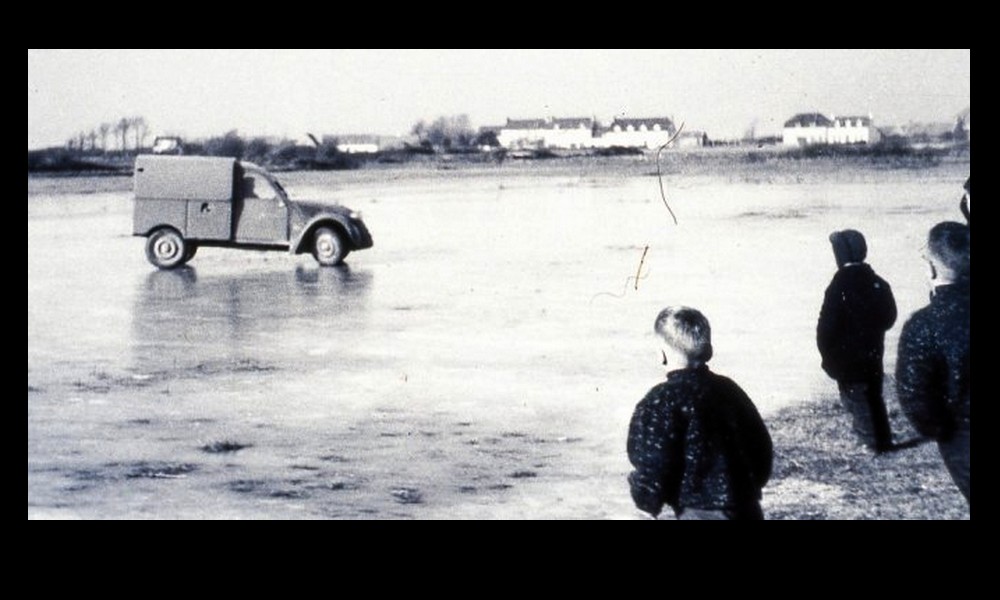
column 452, row 134
column 126, row 130
column 445, row 133
column 283, row 153
column 111, row 145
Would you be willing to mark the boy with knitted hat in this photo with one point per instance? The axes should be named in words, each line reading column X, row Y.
column 858, row 308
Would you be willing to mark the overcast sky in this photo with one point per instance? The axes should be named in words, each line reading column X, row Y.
column 196, row 93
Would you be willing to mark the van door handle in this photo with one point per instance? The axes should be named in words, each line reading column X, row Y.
column 205, row 208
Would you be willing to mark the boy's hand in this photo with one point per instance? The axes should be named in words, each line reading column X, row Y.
column 645, row 493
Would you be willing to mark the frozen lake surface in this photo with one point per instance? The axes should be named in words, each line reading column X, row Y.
column 481, row 361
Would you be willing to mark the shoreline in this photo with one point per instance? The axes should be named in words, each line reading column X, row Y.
column 709, row 159
column 715, row 166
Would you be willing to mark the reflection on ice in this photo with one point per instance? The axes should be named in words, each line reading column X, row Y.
column 182, row 319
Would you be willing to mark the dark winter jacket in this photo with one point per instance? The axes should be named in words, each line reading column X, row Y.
column 697, row 441
column 858, row 309
column 964, row 204
column 932, row 371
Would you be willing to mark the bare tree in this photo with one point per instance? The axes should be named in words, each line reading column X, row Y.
column 103, row 130
column 141, row 129
column 419, row 129
column 81, row 142
column 447, row 132
column 750, row 134
column 92, row 138
column 121, row 128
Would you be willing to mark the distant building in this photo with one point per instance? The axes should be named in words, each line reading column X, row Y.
column 638, row 133
column 853, row 130
column 805, row 129
column 814, row 128
column 565, row 133
column 572, row 133
column 583, row 132
column 358, row 144
column 165, row 144
column 519, row 134
column 691, row 139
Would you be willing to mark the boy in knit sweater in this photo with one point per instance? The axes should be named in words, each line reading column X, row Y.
column 696, row 440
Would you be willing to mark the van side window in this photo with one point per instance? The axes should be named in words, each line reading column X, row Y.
column 255, row 186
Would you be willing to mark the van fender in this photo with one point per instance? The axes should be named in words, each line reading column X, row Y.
column 303, row 241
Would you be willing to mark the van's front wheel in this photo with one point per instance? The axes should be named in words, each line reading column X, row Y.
column 166, row 249
column 329, row 248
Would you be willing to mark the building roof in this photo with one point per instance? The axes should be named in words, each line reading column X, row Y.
column 808, row 120
column 572, row 123
column 525, row 124
column 664, row 123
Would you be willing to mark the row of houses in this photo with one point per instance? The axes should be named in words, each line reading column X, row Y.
column 577, row 133
column 585, row 132
column 814, row 128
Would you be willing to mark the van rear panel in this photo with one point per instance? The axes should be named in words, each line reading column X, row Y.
column 192, row 194
column 148, row 215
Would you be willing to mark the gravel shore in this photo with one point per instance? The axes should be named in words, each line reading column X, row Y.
column 822, row 472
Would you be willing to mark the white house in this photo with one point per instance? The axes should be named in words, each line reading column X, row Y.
column 805, row 129
column 583, row 132
column 358, row 144
column 164, row 144
column 523, row 133
column 691, row 139
column 638, row 133
column 814, row 128
column 567, row 133
column 572, row 133
column 852, row 130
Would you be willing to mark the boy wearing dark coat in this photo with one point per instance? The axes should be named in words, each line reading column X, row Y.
column 696, row 440
column 933, row 369
column 858, row 308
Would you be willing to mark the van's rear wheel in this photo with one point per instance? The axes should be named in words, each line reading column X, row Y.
column 328, row 247
column 166, row 248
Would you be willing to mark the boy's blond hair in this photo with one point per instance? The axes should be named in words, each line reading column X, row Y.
column 949, row 243
column 686, row 330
